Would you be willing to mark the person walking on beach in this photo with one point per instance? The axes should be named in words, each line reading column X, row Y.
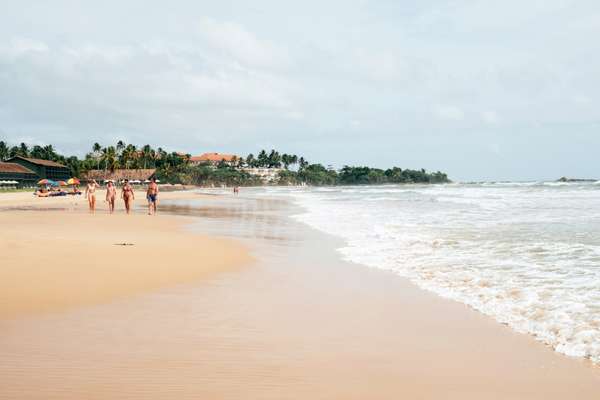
column 90, row 194
column 111, row 195
column 152, row 196
column 127, row 195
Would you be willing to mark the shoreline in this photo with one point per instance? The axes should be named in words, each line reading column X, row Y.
column 300, row 323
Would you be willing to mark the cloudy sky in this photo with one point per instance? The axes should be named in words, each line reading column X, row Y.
column 480, row 89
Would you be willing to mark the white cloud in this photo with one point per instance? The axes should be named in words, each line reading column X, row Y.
column 582, row 100
column 202, row 72
column 490, row 117
column 234, row 40
column 448, row 112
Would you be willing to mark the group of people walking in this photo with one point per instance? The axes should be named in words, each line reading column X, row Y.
column 127, row 195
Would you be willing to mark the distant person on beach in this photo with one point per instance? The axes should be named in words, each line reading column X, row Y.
column 111, row 195
column 236, row 190
column 152, row 196
column 127, row 195
column 90, row 194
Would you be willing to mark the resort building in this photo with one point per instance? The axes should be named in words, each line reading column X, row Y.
column 44, row 169
column 267, row 175
column 16, row 175
column 119, row 175
column 214, row 159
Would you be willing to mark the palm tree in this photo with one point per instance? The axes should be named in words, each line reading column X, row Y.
column 293, row 159
column 37, row 152
column 3, row 151
column 96, row 152
column 146, row 154
column 120, row 146
column 274, row 159
column 153, row 157
column 302, row 163
column 240, row 162
column 286, row 160
column 132, row 155
column 109, row 156
column 250, row 160
column 49, row 153
column 23, row 150
column 262, row 159
column 160, row 156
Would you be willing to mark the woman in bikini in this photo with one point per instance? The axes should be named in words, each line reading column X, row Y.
column 90, row 193
column 111, row 194
column 127, row 195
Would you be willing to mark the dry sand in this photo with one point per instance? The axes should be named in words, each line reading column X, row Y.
column 55, row 255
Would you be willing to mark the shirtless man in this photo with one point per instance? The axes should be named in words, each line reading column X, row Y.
column 111, row 195
column 127, row 195
column 90, row 193
column 152, row 196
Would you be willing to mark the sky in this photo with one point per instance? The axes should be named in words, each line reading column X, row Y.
column 483, row 90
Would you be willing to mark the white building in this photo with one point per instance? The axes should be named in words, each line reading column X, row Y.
column 266, row 174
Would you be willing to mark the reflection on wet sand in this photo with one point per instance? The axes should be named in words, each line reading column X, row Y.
column 240, row 217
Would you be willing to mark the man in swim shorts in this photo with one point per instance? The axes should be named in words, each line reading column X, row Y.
column 152, row 196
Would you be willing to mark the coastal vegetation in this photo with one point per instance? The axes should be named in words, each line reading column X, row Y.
column 174, row 167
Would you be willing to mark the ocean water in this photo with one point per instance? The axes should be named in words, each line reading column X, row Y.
column 527, row 254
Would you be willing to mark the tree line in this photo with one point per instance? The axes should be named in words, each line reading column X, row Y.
column 175, row 167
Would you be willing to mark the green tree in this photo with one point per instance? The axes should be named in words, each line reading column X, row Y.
column 146, row 155
column 274, row 159
column 110, row 158
column 97, row 153
column 263, row 159
column 3, row 151
column 23, row 150
column 250, row 161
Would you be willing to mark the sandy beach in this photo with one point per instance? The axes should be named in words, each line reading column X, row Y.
column 270, row 312
column 56, row 255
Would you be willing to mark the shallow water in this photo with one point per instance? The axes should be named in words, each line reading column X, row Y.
column 527, row 254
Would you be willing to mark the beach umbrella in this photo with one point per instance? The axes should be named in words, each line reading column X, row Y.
column 62, row 183
column 73, row 181
column 47, row 182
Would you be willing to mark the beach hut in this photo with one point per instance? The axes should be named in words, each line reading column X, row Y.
column 44, row 169
column 22, row 176
column 119, row 175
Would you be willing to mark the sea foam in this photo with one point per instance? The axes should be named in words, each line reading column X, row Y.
column 526, row 254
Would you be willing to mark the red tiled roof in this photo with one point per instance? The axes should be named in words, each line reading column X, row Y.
column 14, row 168
column 46, row 163
column 214, row 157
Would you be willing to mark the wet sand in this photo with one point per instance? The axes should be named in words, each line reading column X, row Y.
column 297, row 324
